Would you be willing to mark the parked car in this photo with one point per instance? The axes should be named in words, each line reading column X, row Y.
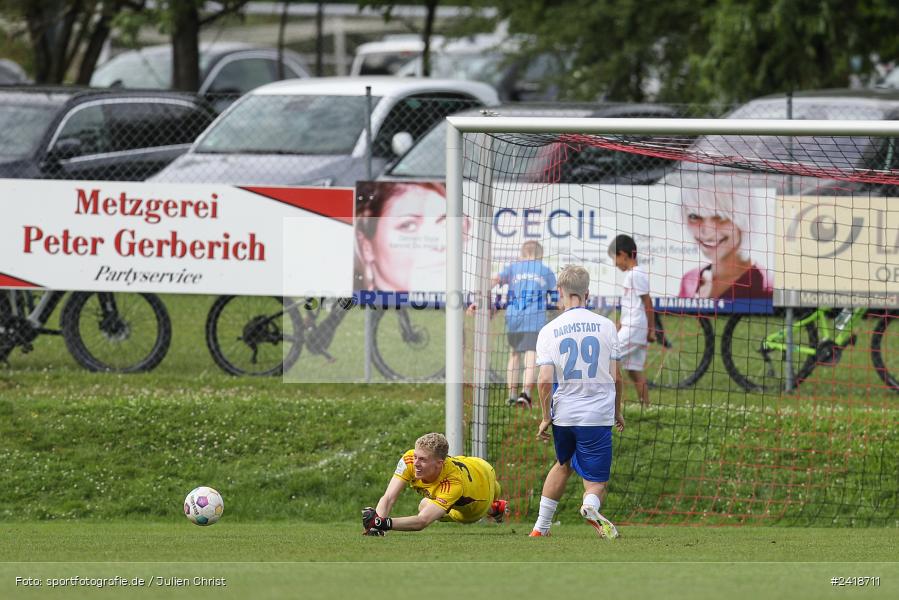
column 890, row 79
column 313, row 131
column 494, row 59
column 721, row 153
column 387, row 56
column 11, row 72
column 555, row 161
column 78, row 133
column 227, row 70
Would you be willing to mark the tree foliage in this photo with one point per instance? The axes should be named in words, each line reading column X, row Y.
column 182, row 20
column 706, row 50
column 387, row 7
column 66, row 35
column 675, row 50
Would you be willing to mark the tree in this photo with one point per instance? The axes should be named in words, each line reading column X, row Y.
column 62, row 33
column 427, row 33
column 759, row 46
column 65, row 32
column 184, row 20
column 615, row 48
column 705, row 50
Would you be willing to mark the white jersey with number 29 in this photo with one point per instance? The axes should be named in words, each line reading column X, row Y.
column 580, row 344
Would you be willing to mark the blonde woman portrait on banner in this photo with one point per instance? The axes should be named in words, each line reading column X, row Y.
column 721, row 225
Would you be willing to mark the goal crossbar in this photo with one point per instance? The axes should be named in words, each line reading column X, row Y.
column 672, row 126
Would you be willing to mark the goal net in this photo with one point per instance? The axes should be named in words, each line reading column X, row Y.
column 771, row 252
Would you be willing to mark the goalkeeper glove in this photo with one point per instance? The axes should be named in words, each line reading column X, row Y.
column 371, row 520
column 368, row 517
column 383, row 523
column 374, row 532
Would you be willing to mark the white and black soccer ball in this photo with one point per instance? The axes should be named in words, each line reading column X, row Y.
column 203, row 506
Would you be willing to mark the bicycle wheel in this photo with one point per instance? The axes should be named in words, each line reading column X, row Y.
column 121, row 333
column 885, row 350
column 254, row 335
column 757, row 370
column 682, row 352
column 409, row 344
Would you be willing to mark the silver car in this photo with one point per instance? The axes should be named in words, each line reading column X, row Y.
column 800, row 164
column 313, row 131
column 227, row 69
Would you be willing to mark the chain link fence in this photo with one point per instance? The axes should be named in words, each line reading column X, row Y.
column 133, row 135
column 130, row 135
column 71, row 133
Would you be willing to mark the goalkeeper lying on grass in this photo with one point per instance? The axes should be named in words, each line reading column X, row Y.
column 462, row 489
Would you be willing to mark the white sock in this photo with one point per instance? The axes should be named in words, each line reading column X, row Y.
column 545, row 518
column 592, row 500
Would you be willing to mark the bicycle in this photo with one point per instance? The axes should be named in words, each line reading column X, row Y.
column 103, row 331
column 682, row 352
column 265, row 336
column 816, row 342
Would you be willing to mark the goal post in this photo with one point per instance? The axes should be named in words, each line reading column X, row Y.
column 708, row 422
column 455, row 309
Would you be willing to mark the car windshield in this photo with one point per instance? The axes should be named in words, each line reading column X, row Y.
column 427, row 158
column 136, row 70
column 486, row 67
column 385, row 63
column 892, row 79
column 275, row 124
column 843, row 152
column 146, row 70
column 22, row 126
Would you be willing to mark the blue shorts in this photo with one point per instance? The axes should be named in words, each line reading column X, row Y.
column 588, row 447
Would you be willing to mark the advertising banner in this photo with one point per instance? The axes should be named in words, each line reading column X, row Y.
column 182, row 238
column 701, row 249
column 838, row 251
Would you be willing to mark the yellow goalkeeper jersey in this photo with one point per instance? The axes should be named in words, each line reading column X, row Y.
column 465, row 488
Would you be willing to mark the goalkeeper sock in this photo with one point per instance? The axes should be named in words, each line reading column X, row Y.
column 545, row 517
column 592, row 500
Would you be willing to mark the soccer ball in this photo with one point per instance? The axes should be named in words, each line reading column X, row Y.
column 203, row 506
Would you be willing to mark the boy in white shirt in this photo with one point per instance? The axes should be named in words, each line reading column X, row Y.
column 634, row 332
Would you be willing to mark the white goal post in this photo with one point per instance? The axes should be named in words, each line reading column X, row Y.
column 458, row 126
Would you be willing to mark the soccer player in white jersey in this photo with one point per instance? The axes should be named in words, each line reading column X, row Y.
column 634, row 332
column 577, row 353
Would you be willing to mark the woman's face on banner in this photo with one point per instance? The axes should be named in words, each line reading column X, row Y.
column 410, row 242
column 717, row 237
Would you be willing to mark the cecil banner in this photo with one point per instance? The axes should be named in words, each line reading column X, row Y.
column 209, row 239
column 702, row 249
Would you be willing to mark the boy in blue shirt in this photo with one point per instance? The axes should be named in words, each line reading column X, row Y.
column 529, row 281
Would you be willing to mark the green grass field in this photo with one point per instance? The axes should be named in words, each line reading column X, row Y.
column 275, row 560
column 94, row 468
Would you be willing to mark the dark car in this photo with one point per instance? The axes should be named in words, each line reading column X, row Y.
column 558, row 160
column 227, row 70
column 77, row 133
column 798, row 164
